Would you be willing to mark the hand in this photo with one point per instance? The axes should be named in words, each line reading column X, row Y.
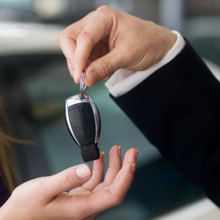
column 45, row 198
column 106, row 40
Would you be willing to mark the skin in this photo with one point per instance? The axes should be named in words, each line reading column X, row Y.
column 106, row 40
column 45, row 197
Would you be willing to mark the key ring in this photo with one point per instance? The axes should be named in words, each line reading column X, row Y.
column 82, row 86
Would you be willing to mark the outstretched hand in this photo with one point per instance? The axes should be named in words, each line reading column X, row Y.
column 46, row 197
column 106, row 40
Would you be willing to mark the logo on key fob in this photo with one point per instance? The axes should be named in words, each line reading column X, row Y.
column 83, row 122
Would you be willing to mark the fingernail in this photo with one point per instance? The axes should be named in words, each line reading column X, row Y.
column 103, row 155
column 133, row 168
column 119, row 150
column 137, row 153
column 83, row 172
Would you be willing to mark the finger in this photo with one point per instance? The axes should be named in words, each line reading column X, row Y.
column 130, row 157
column 71, row 71
column 97, row 173
column 67, row 44
column 67, row 39
column 98, row 27
column 114, row 164
column 115, row 194
column 113, row 169
column 125, row 177
column 103, row 67
column 80, row 191
column 65, row 180
column 99, row 50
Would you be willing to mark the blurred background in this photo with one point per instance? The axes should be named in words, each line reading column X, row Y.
column 34, row 83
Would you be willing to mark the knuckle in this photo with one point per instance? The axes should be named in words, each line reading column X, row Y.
column 65, row 181
column 104, row 9
column 60, row 38
column 84, row 36
column 106, row 68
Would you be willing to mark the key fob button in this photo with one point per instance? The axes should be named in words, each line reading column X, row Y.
column 83, row 123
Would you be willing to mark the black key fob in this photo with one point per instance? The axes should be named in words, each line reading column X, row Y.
column 83, row 122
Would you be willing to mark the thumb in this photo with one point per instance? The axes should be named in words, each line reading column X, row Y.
column 103, row 67
column 66, row 180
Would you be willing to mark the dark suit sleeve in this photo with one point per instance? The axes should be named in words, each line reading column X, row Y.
column 178, row 109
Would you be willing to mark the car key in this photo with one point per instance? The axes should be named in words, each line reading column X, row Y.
column 83, row 122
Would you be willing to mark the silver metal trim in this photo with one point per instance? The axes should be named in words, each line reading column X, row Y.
column 77, row 99
column 82, row 86
column 96, row 117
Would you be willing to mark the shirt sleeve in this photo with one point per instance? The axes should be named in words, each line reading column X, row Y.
column 124, row 80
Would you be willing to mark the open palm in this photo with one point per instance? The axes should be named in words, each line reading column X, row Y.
column 46, row 197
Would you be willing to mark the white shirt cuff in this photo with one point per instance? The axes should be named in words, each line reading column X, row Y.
column 124, row 80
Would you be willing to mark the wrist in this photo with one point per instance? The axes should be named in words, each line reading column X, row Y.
column 168, row 40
